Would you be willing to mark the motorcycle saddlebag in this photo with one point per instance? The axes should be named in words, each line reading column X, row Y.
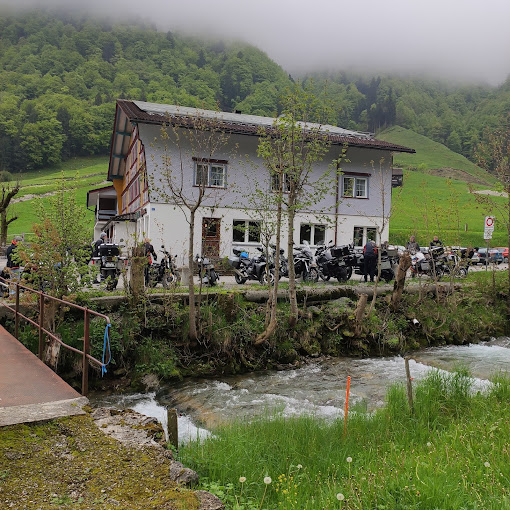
column 235, row 262
column 108, row 250
column 340, row 251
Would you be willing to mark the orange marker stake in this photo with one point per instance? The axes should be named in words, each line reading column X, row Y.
column 346, row 404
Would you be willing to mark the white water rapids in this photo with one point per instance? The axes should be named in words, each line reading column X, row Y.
column 318, row 388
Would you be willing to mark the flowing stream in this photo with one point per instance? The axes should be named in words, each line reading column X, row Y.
column 317, row 388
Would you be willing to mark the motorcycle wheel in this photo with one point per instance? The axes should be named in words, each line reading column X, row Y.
column 263, row 278
column 239, row 279
column 387, row 275
column 343, row 274
column 325, row 277
column 311, row 276
column 212, row 279
column 168, row 279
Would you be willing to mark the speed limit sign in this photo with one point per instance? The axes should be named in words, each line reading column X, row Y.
column 488, row 228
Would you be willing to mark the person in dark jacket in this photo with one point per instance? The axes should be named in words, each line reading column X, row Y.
column 149, row 252
column 369, row 260
column 412, row 246
column 98, row 243
column 12, row 263
column 435, row 242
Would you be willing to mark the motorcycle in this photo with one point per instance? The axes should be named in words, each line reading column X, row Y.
column 284, row 263
column 433, row 265
column 206, row 273
column 249, row 269
column 110, row 264
column 165, row 271
column 304, row 263
column 335, row 262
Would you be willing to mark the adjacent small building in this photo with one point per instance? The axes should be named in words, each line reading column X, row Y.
column 144, row 156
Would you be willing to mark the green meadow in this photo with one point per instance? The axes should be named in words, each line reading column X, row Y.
column 452, row 452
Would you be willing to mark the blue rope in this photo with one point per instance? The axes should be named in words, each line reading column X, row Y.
column 106, row 344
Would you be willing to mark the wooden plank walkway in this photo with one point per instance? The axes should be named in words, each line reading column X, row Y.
column 29, row 389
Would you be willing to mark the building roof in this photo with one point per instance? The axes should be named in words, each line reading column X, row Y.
column 107, row 191
column 130, row 112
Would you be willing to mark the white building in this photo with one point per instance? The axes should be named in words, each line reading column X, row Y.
column 143, row 159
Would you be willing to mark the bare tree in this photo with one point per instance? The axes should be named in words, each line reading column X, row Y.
column 290, row 150
column 8, row 194
column 188, row 140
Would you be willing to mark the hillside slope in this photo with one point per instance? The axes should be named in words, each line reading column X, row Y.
column 434, row 158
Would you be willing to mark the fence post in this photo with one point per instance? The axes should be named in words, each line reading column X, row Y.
column 85, row 364
column 409, row 385
column 41, row 324
column 16, row 320
column 173, row 434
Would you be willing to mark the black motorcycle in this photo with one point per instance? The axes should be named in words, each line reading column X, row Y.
column 110, row 264
column 206, row 273
column 249, row 269
column 165, row 271
column 304, row 263
column 434, row 264
column 389, row 260
column 284, row 263
column 335, row 262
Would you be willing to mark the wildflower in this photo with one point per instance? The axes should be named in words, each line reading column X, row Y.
column 487, row 464
column 429, row 444
column 340, row 496
column 267, row 480
column 349, row 459
column 299, row 466
column 242, row 479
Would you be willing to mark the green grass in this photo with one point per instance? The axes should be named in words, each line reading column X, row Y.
column 86, row 173
column 451, row 453
column 430, row 155
column 428, row 205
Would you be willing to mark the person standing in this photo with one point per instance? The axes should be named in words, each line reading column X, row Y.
column 369, row 260
column 435, row 242
column 150, row 254
column 412, row 246
column 98, row 243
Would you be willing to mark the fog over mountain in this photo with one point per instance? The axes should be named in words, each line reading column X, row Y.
column 464, row 40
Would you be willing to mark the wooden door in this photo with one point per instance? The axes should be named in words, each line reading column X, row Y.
column 211, row 237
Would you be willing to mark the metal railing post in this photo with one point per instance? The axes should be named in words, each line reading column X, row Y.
column 85, row 365
column 16, row 320
column 41, row 325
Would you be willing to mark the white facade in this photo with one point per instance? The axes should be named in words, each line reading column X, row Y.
column 356, row 205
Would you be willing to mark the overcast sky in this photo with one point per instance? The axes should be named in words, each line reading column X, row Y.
column 459, row 39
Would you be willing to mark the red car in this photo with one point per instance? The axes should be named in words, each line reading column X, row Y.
column 504, row 252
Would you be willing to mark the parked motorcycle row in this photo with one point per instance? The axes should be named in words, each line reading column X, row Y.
column 340, row 262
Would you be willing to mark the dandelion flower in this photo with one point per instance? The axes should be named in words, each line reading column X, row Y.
column 349, row 459
column 429, row 444
column 242, row 479
column 267, row 480
column 299, row 466
column 340, row 496
column 487, row 464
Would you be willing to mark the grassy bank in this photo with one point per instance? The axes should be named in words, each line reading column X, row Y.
column 452, row 453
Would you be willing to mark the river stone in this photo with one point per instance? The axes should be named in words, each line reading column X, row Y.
column 182, row 475
column 208, row 501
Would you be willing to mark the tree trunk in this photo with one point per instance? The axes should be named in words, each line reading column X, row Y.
column 293, row 316
column 359, row 312
column 400, row 279
column 191, row 286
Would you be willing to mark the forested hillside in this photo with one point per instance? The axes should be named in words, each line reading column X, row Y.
column 60, row 76
column 456, row 116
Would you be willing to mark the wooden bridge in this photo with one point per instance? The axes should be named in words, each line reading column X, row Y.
column 29, row 389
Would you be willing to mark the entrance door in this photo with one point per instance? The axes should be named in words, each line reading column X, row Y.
column 211, row 237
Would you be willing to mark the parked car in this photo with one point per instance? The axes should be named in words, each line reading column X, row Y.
column 504, row 252
column 480, row 257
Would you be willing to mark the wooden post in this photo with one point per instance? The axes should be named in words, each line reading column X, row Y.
column 358, row 313
column 173, row 437
column 41, row 325
column 400, row 279
column 85, row 362
column 409, row 385
column 346, row 404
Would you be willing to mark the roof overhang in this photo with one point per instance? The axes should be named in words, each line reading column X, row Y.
column 106, row 192
column 130, row 113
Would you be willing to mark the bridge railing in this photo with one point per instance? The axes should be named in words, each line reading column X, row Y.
column 10, row 286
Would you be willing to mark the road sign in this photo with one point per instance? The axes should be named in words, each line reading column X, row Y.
column 489, row 227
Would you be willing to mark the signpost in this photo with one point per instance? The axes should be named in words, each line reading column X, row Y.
column 487, row 235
